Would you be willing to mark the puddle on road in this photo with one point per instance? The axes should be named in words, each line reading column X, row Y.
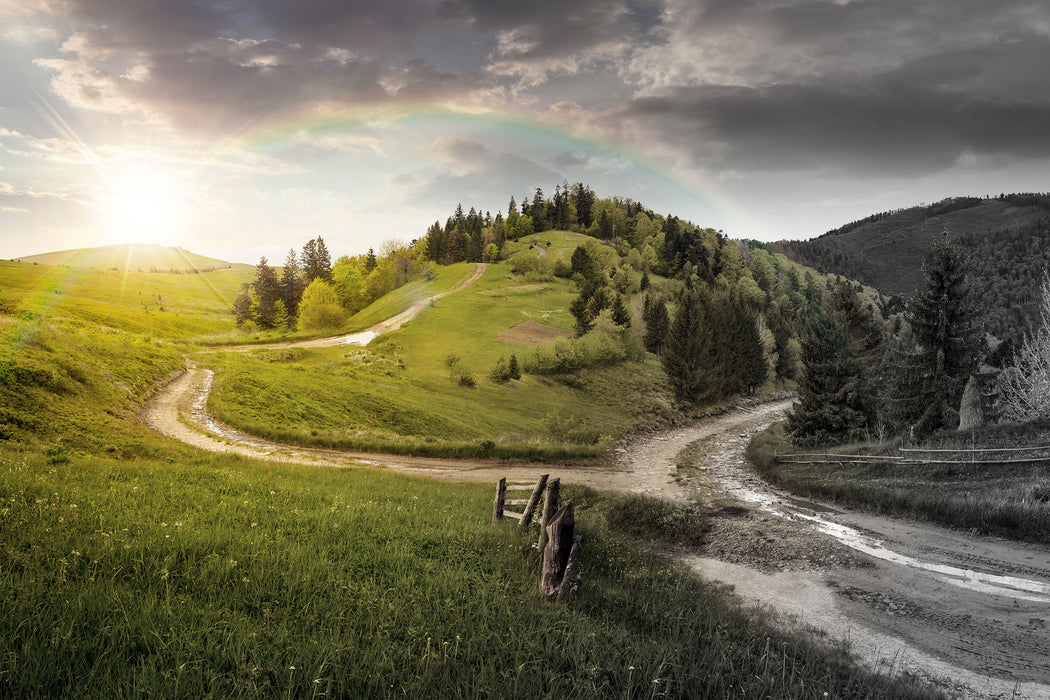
column 204, row 419
column 993, row 584
column 363, row 338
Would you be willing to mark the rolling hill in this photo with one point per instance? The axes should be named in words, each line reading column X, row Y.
column 130, row 257
column 1007, row 239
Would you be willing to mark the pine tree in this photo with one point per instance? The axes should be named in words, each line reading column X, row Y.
column 948, row 341
column 317, row 263
column 620, row 315
column 657, row 323
column 267, row 289
column 291, row 284
column 830, row 408
column 514, row 368
column 686, row 350
column 584, row 318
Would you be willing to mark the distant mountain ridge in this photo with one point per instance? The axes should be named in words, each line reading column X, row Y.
column 1007, row 239
column 141, row 257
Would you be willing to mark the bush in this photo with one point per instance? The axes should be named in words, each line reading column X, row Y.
column 320, row 308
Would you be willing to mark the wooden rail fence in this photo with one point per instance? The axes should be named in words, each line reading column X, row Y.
column 923, row 456
column 558, row 543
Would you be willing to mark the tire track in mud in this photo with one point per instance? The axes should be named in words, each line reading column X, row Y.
column 988, row 643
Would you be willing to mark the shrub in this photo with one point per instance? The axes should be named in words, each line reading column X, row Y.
column 320, row 308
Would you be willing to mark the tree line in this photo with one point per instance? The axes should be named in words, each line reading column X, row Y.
column 312, row 293
column 721, row 315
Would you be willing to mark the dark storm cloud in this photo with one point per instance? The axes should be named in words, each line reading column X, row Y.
column 892, row 85
column 889, row 86
column 886, row 128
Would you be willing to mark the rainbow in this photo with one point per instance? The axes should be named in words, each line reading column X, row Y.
column 524, row 127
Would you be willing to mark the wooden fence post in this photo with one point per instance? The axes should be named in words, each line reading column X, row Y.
column 526, row 517
column 561, row 536
column 551, row 504
column 501, row 496
column 570, row 580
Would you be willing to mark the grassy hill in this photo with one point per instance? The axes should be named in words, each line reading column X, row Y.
column 401, row 395
column 1007, row 239
column 133, row 565
column 132, row 257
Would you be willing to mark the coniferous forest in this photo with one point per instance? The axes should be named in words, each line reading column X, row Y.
column 728, row 316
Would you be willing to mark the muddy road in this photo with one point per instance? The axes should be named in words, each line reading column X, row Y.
column 970, row 612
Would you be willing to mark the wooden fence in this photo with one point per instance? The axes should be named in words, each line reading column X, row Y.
column 924, row 456
column 558, row 542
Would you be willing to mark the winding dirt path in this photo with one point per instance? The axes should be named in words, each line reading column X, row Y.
column 970, row 612
column 366, row 336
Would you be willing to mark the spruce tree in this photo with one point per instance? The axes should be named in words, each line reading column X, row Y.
column 831, row 407
column 686, row 349
column 291, row 284
column 620, row 315
column 657, row 323
column 948, row 341
column 268, row 290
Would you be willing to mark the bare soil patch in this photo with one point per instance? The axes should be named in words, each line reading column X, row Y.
column 531, row 333
column 516, row 289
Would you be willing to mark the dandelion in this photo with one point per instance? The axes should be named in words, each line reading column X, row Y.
column 273, row 493
column 76, row 553
column 255, row 524
column 245, row 580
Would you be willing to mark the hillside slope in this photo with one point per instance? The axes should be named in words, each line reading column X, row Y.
column 141, row 257
column 1007, row 239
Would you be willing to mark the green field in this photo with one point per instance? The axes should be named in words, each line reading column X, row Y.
column 132, row 565
column 399, row 394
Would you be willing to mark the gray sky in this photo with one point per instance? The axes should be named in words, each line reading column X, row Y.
column 245, row 127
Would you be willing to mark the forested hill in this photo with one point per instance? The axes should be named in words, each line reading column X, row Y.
column 1006, row 238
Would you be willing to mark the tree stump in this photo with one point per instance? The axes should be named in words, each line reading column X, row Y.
column 561, row 535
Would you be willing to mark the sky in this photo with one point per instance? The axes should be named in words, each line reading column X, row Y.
column 243, row 128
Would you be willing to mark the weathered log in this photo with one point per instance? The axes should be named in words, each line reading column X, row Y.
column 526, row 517
column 560, row 537
column 551, row 504
column 570, row 580
column 501, row 495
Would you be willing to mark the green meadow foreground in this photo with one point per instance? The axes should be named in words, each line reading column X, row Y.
column 133, row 565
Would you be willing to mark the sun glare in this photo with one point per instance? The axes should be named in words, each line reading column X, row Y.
column 144, row 206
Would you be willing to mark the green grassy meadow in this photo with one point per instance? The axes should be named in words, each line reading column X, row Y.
column 399, row 395
column 132, row 565
column 216, row 576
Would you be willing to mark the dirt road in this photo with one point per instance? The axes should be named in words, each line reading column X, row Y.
column 971, row 611
column 366, row 336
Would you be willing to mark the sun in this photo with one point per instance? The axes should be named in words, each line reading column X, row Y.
column 144, row 205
